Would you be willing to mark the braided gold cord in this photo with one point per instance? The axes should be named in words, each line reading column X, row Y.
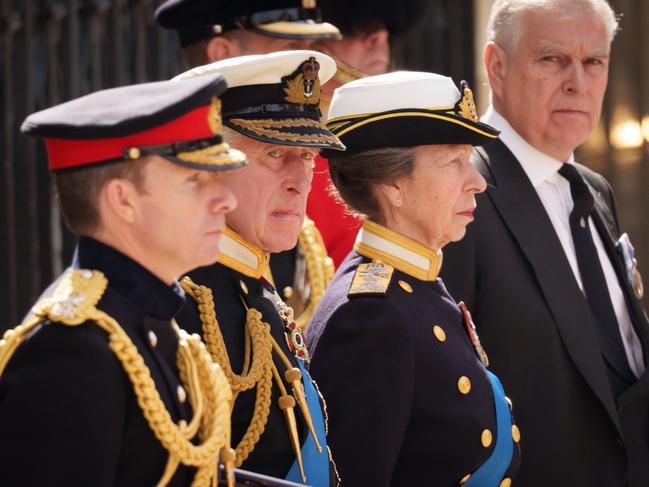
column 260, row 372
column 73, row 304
column 319, row 268
column 261, row 348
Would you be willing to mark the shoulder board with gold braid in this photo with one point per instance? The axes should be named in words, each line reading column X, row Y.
column 371, row 278
column 319, row 267
column 74, row 303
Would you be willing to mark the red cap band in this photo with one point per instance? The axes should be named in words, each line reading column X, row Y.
column 66, row 153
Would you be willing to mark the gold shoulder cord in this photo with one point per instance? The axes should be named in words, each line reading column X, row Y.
column 73, row 303
column 260, row 373
column 319, row 268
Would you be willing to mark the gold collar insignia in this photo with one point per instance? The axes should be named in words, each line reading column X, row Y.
column 241, row 256
column 404, row 254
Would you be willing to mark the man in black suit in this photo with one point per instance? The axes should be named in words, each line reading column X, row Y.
column 552, row 284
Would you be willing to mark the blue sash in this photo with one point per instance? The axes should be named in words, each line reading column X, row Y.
column 316, row 464
column 492, row 471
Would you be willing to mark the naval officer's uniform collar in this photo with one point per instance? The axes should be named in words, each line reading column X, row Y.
column 377, row 242
column 241, row 256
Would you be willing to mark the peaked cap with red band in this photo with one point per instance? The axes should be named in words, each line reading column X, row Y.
column 180, row 121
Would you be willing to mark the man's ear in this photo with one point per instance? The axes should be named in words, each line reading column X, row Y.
column 120, row 199
column 495, row 62
column 221, row 47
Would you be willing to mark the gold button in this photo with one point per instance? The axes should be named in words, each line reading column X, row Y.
column 182, row 395
column 486, row 438
column 464, row 384
column 153, row 339
column 516, row 433
column 405, row 286
column 465, row 478
column 288, row 292
column 244, row 288
column 506, row 482
column 439, row 333
column 134, row 153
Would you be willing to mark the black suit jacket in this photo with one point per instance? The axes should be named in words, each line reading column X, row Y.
column 536, row 326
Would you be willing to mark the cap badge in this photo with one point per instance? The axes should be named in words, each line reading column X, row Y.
column 466, row 106
column 308, row 4
column 214, row 116
column 303, row 85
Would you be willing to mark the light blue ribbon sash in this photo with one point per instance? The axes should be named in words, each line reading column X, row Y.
column 316, row 464
column 492, row 471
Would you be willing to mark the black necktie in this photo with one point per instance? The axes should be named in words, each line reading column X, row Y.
column 594, row 282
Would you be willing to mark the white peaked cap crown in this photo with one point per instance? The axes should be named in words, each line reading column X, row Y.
column 262, row 69
column 394, row 91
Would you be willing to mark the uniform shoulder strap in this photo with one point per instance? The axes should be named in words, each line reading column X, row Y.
column 72, row 303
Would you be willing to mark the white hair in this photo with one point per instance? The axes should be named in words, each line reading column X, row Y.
column 506, row 19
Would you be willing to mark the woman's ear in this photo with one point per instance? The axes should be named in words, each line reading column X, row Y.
column 392, row 193
column 119, row 197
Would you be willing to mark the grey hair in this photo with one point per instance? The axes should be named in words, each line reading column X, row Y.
column 505, row 22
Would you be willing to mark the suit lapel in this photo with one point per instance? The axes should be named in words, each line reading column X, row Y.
column 521, row 209
column 608, row 232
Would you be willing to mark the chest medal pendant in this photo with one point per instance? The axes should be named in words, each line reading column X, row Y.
column 473, row 335
column 633, row 275
column 292, row 332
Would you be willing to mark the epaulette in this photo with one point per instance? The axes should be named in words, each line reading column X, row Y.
column 319, row 268
column 372, row 278
column 74, row 299
column 72, row 303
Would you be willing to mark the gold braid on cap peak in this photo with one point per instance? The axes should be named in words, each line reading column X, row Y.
column 73, row 304
column 269, row 128
column 344, row 72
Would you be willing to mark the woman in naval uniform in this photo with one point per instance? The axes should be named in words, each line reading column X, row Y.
column 410, row 401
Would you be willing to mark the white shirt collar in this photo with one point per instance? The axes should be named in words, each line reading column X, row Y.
column 538, row 166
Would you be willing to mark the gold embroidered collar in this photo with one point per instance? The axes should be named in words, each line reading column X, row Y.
column 376, row 242
column 241, row 256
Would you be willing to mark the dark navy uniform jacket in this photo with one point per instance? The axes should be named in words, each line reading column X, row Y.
column 273, row 455
column 68, row 413
column 393, row 366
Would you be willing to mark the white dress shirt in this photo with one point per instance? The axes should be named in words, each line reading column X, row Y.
column 554, row 192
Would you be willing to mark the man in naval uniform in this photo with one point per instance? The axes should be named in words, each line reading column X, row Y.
column 214, row 30
column 97, row 387
column 271, row 112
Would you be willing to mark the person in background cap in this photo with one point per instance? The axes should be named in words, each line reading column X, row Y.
column 96, row 386
column 212, row 31
column 270, row 111
column 409, row 398
column 367, row 27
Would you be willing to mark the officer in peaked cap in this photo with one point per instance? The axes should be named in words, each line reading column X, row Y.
column 97, row 386
column 212, row 30
column 409, row 398
column 271, row 112
column 368, row 27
